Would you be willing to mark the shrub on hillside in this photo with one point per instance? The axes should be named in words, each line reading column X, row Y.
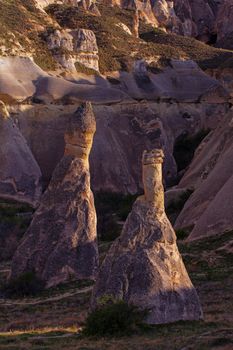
column 27, row 284
column 114, row 318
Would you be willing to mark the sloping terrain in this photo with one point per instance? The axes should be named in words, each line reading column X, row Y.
column 170, row 87
column 23, row 27
column 53, row 319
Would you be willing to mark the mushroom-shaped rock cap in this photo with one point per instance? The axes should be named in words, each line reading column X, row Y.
column 83, row 119
column 3, row 110
column 154, row 156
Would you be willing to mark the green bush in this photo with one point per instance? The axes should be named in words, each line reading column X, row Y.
column 114, row 318
column 27, row 284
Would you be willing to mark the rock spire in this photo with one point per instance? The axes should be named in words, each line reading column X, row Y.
column 144, row 266
column 61, row 241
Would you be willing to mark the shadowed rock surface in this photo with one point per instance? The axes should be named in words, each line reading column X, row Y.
column 20, row 175
column 144, row 266
column 209, row 210
column 61, row 240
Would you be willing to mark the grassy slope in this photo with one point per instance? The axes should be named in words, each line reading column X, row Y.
column 21, row 21
column 53, row 324
column 118, row 49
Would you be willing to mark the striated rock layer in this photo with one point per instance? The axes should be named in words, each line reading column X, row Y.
column 209, row 210
column 20, row 175
column 143, row 266
column 61, row 240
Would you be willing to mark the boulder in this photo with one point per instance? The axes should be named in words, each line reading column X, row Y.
column 20, row 175
column 60, row 243
column 143, row 266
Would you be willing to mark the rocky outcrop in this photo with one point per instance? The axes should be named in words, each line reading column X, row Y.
column 114, row 163
column 20, row 176
column 72, row 46
column 165, row 14
column 178, row 99
column 224, row 24
column 143, row 266
column 209, row 210
column 135, row 24
column 85, row 3
column 181, row 81
column 203, row 18
column 60, row 243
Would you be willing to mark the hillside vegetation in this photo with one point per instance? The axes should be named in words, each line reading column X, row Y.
column 53, row 319
column 22, row 25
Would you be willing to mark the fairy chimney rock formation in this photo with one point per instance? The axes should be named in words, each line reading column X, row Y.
column 153, row 179
column 143, row 266
column 61, row 242
column 20, row 175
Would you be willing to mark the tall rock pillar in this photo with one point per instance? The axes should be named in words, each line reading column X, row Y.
column 61, row 242
column 143, row 266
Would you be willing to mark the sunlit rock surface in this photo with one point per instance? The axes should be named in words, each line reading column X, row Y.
column 61, row 240
column 143, row 266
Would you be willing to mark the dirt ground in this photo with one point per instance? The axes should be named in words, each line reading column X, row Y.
column 53, row 320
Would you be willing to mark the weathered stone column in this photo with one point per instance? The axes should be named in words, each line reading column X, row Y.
column 61, row 242
column 153, row 179
column 143, row 266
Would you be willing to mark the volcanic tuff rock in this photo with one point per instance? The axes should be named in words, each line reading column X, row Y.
column 61, row 240
column 224, row 24
column 143, row 266
column 20, row 176
column 71, row 46
column 209, row 210
column 180, row 99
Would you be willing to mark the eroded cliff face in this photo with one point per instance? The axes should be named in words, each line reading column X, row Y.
column 173, row 105
column 70, row 47
column 20, row 175
column 122, row 132
column 209, row 210
column 224, row 24
column 208, row 21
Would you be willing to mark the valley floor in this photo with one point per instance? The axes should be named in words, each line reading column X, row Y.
column 53, row 319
